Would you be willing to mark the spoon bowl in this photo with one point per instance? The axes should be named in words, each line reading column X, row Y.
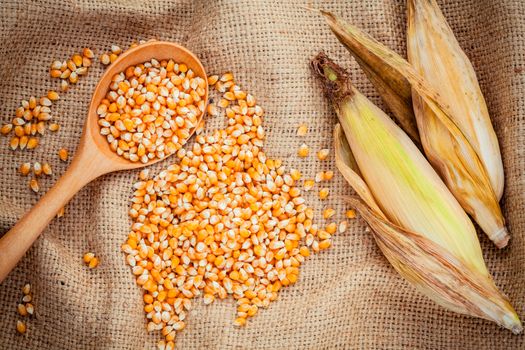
column 93, row 156
column 159, row 50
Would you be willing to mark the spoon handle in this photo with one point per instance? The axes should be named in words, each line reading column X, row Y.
column 15, row 243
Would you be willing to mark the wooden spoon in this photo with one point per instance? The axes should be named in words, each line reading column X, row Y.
column 93, row 157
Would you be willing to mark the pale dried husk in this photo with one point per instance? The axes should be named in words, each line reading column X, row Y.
column 417, row 223
column 445, row 145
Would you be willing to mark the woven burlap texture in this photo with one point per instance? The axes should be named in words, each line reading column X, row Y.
column 348, row 296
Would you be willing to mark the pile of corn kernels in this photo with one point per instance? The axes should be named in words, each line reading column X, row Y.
column 226, row 220
column 151, row 109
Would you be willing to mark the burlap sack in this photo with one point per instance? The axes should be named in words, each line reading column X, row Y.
column 347, row 297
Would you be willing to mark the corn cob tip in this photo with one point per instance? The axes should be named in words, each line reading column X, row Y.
column 335, row 80
column 512, row 322
column 500, row 237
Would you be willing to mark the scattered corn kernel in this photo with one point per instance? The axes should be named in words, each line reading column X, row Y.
column 308, row 185
column 350, row 214
column 25, row 168
column 88, row 257
column 295, row 174
column 37, row 168
column 32, row 143
column 33, row 184
column 240, row 321
column 21, row 327
column 63, row 154
column 323, row 193
column 6, row 129
column 328, row 213
column 64, row 85
column 325, row 244
column 302, row 130
column 54, row 127
column 26, row 289
column 46, row 169
column 14, row 143
column 328, row 175
column 342, row 226
column 319, row 176
column 104, row 59
column 88, row 53
column 27, row 298
column 93, row 263
column 61, row 212
column 52, row 95
column 331, row 228
column 30, row 308
column 323, row 154
column 303, row 151
column 22, row 309
column 116, row 49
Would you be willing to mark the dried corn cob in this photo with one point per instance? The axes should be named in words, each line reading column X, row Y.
column 417, row 223
column 445, row 145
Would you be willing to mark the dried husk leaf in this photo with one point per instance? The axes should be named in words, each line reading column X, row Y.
column 435, row 53
column 345, row 162
column 438, row 274
column 417, row 223
column 445, row 145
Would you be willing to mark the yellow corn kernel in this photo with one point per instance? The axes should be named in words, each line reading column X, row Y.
column 37, row 168
column 26, row 289
column 21, row 327
column 52, row 95
column 328, row 175
column 22, row 310
column 304, row 251
column 30, row 308
column 328, row 213
column 350, row 214
column 88, row 257
column 325, row 244
column 6, row 129
column 33, row 184
column 303, row 151
column 63, row 154
column 308, row 185
column 32, row 143
column 323, row 154
column 240, row 321
column 88, row 53
column 46, row 169
column 93, row 263
column 60, row 212
column 331, row 228
column 302, row 130
column 212, row 79
column 25, row 168
column 104, row 59
column 295, row 174
column 323, row 193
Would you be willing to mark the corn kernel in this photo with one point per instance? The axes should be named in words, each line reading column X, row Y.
column 323, row 154
column 302, row 130
column 21, row 327
column 323, row 193
column 303, row 151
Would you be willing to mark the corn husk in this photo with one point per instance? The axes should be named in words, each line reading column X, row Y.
column 435, row 53
column 447, row 148
column 417, row 223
